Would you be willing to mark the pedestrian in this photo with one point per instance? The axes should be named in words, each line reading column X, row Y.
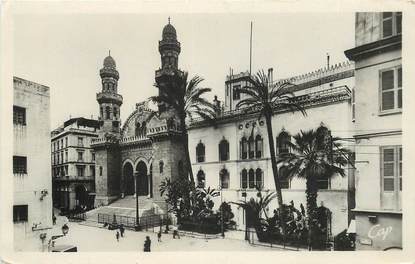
column 54, row 219
column 117, row 235
column 159, row 236
column 175, row 233
column 147, row 244
column 122, row 230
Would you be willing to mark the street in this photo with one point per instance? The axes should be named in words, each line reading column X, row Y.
column 88, row 238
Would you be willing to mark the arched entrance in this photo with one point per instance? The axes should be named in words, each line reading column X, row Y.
column 81, row 196
column 142, row 179
column 128, row 173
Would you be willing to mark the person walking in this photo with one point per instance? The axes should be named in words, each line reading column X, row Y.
column 54, row 219
column 159, row 236
column 122, row 229
column 147, row 244
column 117, row 235
column 175, row 233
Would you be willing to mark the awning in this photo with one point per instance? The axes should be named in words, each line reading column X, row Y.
column 352, row 227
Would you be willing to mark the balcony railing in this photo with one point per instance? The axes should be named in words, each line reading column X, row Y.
column 315, row 98
column 103, row 96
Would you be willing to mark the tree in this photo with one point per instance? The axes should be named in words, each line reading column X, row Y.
column 264, row 98
column 315, row 156
column 185, row 99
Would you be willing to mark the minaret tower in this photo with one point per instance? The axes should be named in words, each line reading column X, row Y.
column 169, row 49
column 109, row 100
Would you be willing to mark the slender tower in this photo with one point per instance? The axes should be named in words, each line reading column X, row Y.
column 107, row 151
column 108, row 99
column 169, row 49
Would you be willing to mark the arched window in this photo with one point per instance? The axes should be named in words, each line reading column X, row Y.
column 223, row 150
column 284, row 179
column 107, row 112
column 282, row 145
column 224, row 179
column 244, row 148
column 180, row 168
column 258, row 146
column 251, row 147
column 200, row 152
column 244, row 179
column 258, row 178
column 161, row 166
column 201, row 179
column 323, row 138
column 137, row 129
column 251, row 178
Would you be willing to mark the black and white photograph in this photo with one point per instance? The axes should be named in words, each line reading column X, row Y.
column 180, row 131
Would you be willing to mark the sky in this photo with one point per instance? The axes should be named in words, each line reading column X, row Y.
column 66, row 51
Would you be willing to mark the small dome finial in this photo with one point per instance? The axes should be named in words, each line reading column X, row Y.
column 109, row 52
column 169, row 19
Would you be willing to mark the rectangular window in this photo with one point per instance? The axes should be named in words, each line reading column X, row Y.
column 80, row 171
column 93, row 156
column 66, row 156
column 391, row 89
column 236, row 93
column 80, row 142
column 92, row 168
column 66, row 142
column 392, row 168
column 391, row 24
column 20, row 213
column 80, row 156
column 19, row 165
column 19, row 115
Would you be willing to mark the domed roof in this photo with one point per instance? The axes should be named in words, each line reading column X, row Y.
column 109, row 62
column 169, row 31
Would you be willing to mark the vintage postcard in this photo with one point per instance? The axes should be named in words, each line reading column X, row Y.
column 230, row 131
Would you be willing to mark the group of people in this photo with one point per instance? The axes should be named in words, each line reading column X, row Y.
column 121, row 232
column 147, row 241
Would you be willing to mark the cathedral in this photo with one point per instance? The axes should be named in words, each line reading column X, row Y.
column 133, row 158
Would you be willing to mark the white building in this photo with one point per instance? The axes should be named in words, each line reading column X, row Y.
column 32, row 205
column 378, row 129
column 229, row 157
column 73, row 163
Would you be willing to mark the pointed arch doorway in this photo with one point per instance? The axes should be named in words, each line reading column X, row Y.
column 128, row 173
column 142, row 179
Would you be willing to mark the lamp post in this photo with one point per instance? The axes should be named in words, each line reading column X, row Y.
column 137, row 219
column 221, row 211
column 246, row 217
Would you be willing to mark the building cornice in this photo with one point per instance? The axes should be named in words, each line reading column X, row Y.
column 373, row 48
column 307, row 101
column 379, row 134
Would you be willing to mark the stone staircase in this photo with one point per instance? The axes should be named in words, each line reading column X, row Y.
column 125, row 207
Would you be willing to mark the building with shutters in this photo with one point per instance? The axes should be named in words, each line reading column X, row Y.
column 234, row 155
column 73, row 163
column 32, row 196
column 378, row 129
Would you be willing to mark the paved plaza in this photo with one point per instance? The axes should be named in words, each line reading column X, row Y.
column 88, row 238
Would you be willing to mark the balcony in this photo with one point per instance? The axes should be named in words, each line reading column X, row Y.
column 312, row 99
column 105, row 97
column 135, row 140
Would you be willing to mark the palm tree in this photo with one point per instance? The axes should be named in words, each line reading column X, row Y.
column 264, row 98
column 185, row 99
column 315, row 156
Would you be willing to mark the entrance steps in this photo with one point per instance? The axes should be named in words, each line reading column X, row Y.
column 124, row 207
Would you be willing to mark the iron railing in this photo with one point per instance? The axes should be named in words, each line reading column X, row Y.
column 145, row 222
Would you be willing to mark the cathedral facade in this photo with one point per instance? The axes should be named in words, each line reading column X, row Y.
column 133, row 158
